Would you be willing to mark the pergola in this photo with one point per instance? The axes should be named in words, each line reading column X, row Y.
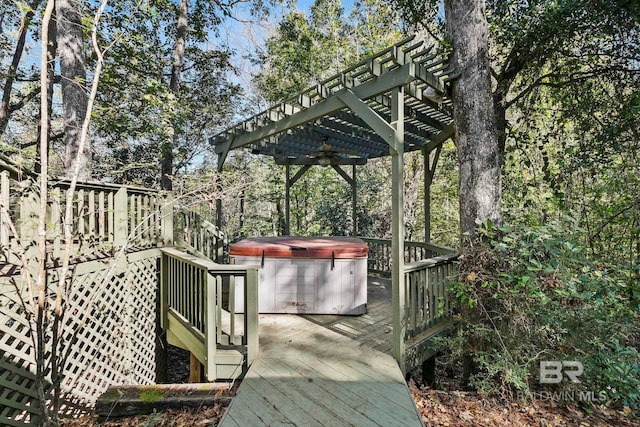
column 388, row 104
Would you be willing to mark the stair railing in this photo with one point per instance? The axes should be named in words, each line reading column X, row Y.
column 198, row 311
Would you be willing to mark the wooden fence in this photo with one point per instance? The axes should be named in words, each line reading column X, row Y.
column 103, row 217
column 112, row 302
column 108, row 338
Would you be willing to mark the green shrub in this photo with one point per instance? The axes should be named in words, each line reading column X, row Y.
column 532, row 294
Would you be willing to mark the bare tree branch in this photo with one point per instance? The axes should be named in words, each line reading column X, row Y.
column 42, row 215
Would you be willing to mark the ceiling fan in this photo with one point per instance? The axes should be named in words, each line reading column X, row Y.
column 325, row 153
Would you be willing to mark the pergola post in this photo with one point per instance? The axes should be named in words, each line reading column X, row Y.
column 219, row 202
column 351, row 180
column 288, row 184
column 354, row 201
column 398, row 299
column 429, row 171
column 393, row 134
column 287, row 202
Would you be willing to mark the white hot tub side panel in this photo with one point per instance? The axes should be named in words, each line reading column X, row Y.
column 308, row 285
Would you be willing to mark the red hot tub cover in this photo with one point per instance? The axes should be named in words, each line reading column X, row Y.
column 301, row 247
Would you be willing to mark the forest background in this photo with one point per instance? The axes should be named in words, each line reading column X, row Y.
column 566, row 90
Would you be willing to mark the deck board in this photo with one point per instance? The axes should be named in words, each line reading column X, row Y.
column 322, row 370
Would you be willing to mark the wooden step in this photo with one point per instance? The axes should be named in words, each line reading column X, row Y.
column 229, row 364
column 229, row 356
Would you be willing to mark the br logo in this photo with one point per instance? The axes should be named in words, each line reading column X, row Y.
column 551, row 371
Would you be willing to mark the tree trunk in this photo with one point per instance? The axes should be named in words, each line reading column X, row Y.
column 5, row 107
column 51, row 70
column 41, row 254
column 74, row 76
column 499, row 99
column 281, row 219
column 166, row 149
column 476, row 134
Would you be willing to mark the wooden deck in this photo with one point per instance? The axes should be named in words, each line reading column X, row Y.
column 326, row 371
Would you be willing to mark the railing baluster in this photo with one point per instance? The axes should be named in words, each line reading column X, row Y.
column 92, row 213
column 182, row 295
column 195, row 290
column 111, row 217
column 412, row 306
column 232, row 308
column 189, row 292
column 186, row 292
column 133, row 221
column 146, row 212
column 433, row 289
column 79, row 202
column 420, row 299
column 158, row 236
column 171, row 270
column 443, row 288
column 218, row 312
column 203, row 298
column 151, row 214
column 101, row 216
column 140, row 219
column 55, row 222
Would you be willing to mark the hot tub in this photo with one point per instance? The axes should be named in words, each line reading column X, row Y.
column 311, row 275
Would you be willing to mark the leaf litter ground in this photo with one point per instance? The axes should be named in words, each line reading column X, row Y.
column 447, row 406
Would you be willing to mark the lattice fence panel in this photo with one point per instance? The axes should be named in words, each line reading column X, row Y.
column 108, row 336
column 17, row 361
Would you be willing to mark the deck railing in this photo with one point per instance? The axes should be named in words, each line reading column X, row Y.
column 201, row 237
column 111, row 215
column 425, row 311
column 380, row 253
column 199, row 312
column 426, row 293
column 104, row 217
column 427, row 269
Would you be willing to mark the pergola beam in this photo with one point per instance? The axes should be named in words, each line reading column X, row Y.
column 413, row 135
column 333, row 161
column 397, row 77
column 368, row 114
column 440, row 138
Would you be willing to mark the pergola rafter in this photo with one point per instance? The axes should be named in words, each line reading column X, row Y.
column 322, row 109
column 391, row 103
